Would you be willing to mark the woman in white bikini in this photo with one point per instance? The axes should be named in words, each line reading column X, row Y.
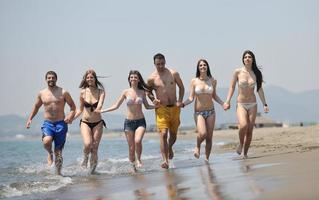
column 203, row 91
column 247, row 78
column 134, row 124
column 91, row 101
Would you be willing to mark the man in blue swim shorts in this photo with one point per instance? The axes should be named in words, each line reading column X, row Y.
column 55, row 127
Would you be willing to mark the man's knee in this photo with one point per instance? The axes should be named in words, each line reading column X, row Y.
column 47, row 141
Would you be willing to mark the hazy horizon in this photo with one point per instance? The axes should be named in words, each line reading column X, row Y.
column 114, row 37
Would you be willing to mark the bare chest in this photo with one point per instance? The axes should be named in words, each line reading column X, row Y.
column 52, row 99
column 165, row 81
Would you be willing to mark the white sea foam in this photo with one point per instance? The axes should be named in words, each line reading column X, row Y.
column 20, row 136
column 50, row 183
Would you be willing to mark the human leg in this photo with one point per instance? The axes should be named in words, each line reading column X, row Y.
column 164, row 147
column 86, row 133
column 174, row 123
column 139, row 133
column 249, row 134
column 242, row 117
column 47, row 144
column 97, row 135
column 210, row 124
column 201, row 134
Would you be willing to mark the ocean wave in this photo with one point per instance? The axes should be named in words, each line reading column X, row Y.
column 50, row 183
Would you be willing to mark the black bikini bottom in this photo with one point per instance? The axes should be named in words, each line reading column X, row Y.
column 91, row 125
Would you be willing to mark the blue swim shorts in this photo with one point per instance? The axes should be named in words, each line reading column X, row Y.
column 57, row 130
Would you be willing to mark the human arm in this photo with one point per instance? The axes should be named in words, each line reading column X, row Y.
column 181, row 89
column 69, row 118
column 149, row 93
column 146, row 104
column 81, row 108
column 215, row 96
column 35, row 109
column 263, row 99
column 191, row 97
column 101, row 102
column 231, row 90
column 117, row 104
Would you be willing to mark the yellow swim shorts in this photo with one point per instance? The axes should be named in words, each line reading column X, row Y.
column 168, row 118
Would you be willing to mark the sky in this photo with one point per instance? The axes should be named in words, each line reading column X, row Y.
column 113, row 37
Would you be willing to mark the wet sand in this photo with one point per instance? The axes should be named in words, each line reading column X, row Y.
column 283, row 164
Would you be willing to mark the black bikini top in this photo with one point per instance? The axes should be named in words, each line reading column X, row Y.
column 91, row 106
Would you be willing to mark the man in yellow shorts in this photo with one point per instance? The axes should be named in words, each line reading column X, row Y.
column 164, row 81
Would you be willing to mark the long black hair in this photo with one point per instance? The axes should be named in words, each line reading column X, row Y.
column 141, row 84
column 255, row 68
column 84, row 84
column 208, row 70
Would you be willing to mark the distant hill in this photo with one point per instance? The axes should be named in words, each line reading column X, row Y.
column 285, row 106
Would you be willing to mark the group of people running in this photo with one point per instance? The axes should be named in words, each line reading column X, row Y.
column 167, row 104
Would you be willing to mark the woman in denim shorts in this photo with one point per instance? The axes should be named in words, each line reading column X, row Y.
column 134, row 124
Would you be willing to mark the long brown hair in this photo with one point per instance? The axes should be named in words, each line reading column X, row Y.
column 84, row 84
column 141, row 84
column 255, row 68
column 208, row 70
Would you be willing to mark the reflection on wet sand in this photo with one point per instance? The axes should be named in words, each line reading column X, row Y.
column 141, row 192
column 174, row 190
column 209, row 180
column 252, row 184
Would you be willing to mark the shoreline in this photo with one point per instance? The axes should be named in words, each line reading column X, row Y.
column 282, row 163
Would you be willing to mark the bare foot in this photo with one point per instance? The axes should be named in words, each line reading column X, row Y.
column 239, row 149
column 196, row 152
column 243, row 157
column 164, row 165
column 50, row 159
column 133, row 169
column 139, row 164
column 92, row 169
column 84, row 164
column 170, row 153
column 58, row 164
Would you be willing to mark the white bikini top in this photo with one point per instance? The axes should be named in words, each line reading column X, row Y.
column 208, row 88
column 246, row 83
column 132, row 101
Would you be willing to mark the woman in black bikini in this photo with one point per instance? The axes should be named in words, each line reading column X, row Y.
column 91, row 101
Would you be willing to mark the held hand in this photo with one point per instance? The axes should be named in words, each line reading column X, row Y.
column 28, row 124
column 98, row 111
column 180, row 104
column 68, row 120
column 226, row 106
column 156, row 103
column 266, row 109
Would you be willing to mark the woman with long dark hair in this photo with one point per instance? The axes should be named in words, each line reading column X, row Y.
column 248, row 77
column 91, row 101
column 203, row 91
column 134, row 124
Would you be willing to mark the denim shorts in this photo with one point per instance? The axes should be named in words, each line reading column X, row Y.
column 132, row 125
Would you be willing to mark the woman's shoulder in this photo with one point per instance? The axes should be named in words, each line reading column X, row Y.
column 238, row 70
column 82, row 91
column 212, row 80
column 101, row 89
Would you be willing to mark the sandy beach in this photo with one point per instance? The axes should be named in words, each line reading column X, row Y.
column 283, row 163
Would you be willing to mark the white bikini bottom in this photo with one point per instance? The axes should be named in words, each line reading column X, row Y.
column 247, row 106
